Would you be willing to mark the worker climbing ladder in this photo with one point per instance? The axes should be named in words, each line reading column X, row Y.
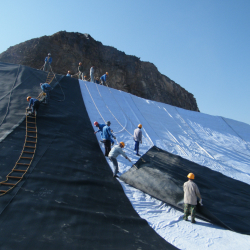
column 23, row 163
column 49, row 80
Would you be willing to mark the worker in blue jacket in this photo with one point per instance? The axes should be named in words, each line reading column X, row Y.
column 103, row 78
column 48, row 61
column 101, row 126
column 46, row 88
column 107, row 137
column 33, row 104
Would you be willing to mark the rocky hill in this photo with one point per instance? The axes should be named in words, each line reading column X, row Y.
column 126, row 72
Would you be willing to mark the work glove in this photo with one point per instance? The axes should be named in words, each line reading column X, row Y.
column 201, row 202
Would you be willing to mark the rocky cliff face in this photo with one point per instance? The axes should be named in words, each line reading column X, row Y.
column 126, row 73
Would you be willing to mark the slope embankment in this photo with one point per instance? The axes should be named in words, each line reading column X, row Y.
column 68, row 199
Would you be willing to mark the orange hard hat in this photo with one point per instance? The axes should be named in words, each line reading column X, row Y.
column 107, row 73
column 139, row 126
column 28, row 98
column 122, row 144
column 190, row 176
column 96, row 123
column 80, row 63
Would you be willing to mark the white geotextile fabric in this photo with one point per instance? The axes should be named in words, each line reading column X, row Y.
column 218, row 143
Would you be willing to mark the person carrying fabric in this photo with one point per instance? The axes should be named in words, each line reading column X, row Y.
column 103, row 78
column 107, row 137
column 116, row 151
column 137, row 138
column 92, row 70
column 80, row 71
column 33, row 104
column 46, row 88
column 48, row 61
column 191, row 192
column 101, row 126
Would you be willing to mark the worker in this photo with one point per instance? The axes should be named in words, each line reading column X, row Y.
column 46, row 88
column 48, row 61
column 97, row 80
column 107, row 137
column 137, row 138
column 103, row 78
column 68, row 74
column 117, row 150
column 80, row 71
column 101, row 126
column 191, row 192
column 85, row 78
column 92, row 70
column 33, row 105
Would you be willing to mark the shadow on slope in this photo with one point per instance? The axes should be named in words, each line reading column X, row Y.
column 69, row 199
column 162, row 175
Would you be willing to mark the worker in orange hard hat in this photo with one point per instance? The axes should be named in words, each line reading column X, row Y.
column 33, row 105
column 191, row 192
column 103, row 78
column 137, row 138
column 114, row 153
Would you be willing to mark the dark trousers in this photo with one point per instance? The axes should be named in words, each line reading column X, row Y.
column 189, row 210
column 35, row 106
column 107, row 145
column 137, row 147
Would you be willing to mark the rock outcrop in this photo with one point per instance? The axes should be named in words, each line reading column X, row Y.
column 126, row 72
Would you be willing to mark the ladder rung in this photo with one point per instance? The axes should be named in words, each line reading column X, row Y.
column 31, row 127
column 27, row 152
column 32, row 136
column 29, row 158
column 14, row 177
column 24, row 164
column 29, row 147
column 31, row 122
column 31, row 142
column 31, row 131
column 8, row 184
column 19, row 170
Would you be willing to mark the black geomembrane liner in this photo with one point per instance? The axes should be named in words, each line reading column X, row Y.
column 68, row 199
column 162, row 175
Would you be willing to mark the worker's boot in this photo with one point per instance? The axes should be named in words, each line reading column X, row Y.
column 193, row 220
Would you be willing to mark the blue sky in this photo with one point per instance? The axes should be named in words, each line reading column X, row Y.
column 203, row 45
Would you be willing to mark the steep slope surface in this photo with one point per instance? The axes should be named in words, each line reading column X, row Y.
column 68, row 199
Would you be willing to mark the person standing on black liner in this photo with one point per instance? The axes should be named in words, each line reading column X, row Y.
column 191, row 192
column 107, row 135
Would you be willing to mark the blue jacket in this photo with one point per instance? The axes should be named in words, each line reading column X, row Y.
column 50, row 59
column 101, row 126
column 32, row 101
column 104, row 77
column 68, row 75
column 106, row 133
column 46, row 87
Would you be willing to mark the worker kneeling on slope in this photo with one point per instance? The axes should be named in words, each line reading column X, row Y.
column 115, row 151
column 191, row 192
column 33, row 104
